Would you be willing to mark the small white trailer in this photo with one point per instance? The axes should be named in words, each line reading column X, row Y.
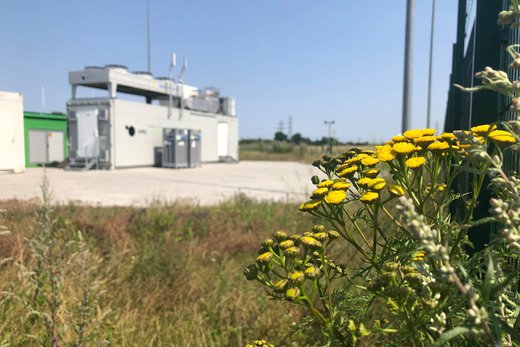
column 12, row 147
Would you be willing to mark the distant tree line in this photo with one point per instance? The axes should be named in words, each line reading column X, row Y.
column 298, row 139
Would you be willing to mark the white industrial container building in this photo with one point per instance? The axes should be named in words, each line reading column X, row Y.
column 112, row 132
column 12, row 147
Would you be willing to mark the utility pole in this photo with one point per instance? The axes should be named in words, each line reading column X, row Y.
column 289, row 128
column 329, row 123
column 428, row 111
column 407, row 83
column 280, row 126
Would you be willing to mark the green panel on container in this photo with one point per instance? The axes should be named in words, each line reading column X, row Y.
column 44, row 121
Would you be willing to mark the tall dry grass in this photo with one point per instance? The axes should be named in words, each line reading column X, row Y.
column 166, row 275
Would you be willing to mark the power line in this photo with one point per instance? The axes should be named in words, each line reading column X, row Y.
column 289, row 127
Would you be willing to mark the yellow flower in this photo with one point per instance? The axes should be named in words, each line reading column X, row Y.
column 369, row 161
column 483, row 129
column 297, row 277
column 319, row 192
column 424, row 140
column 441, row 187
column 428, row 131
column 415, row 162
column 403, row 148
column 363, row 182
column 321, row 236
column 309, row 205
column 438, row 146
column 399, row 138
column 369, row 197
column 386, row 156
column 310, row 242
column 341, row 186
column 413, row 134
column 502, row 137
column 264, row 258
column 396, row 190
column 286, row 244
column 347, row 171
column 325, row 183
column 377, row 184
column 448, row 136
column 371, row 173
column 335, row 197
column 311, row 272
column 419, row 256
column 292, row 293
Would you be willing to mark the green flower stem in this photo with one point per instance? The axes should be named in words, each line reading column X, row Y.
column 477, row 186
column 356, row 226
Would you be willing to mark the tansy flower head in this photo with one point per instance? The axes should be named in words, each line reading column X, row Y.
column 371, row 173
column 428, row 131
column 333, row 234
column 280, row 235
column 267, row 243
column 292, row 251
column 318, row 228
column 448, row 136
column 347, row 171
column 292, row 293
column 363, row 182
column 502, row 137
column 297, row 277
column 264, row 258
column 438, row 146
column 321, row 236
column 415, row 162
column 413, row 134
column 403, row 148
column 377, row 184
column 399, row 138
column 369, row 161
column 341, row 186
column 325, row 183
column 335, row 197
column 386, row 156
column 286, row 244
column 424, row 140
column 419, row 256
column 309, row 205
column 310, row 242
column 369, row 197
column 396, row 190
column 483, row 129
column 319, row 192
column 280, row 285
column 311, row 272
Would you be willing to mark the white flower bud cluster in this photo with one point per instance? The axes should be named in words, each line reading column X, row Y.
column 509, row 215
column 438, row 323
column 421, row 231
column 495, row 78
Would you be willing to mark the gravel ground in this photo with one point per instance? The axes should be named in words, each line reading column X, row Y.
column 205, row 185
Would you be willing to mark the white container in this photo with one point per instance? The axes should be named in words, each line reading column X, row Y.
column 12, row 147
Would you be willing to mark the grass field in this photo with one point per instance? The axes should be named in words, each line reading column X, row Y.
column 166, row 275
column 283, row 151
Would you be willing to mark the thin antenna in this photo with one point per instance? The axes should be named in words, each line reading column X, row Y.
column 148, row 35
column 43, row 99
column 428, row 111
column 181, row 85
column 173, row 63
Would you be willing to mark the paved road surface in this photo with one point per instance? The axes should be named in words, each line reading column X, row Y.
column 206, row 185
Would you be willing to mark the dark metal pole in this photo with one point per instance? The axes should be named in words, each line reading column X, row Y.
column 407, row 83
column 428, row 112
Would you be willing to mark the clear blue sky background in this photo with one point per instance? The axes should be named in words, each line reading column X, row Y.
column 336, row 60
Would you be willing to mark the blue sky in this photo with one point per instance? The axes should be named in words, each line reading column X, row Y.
column 338, row 60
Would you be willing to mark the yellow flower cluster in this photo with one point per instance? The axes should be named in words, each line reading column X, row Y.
column 357, row 170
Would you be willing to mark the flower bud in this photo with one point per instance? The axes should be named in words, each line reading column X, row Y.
column 251, row 272
column 286, row 244
column 264, row 258
column 280, row 286
column 318, row 228
column 280, row 236
column 297, row 277
column 311, row 272
column 267, row 243
column 333, row 234
column 310, row 242
column 292, row 293
column 315, row 179
column 292, row 252
column 391, row 266
column 321, row 236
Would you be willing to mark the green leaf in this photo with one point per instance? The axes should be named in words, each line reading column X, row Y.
column 483, row 221
column 450, row 334
column 490, row 277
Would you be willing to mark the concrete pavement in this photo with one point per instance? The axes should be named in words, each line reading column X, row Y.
column 205, row 185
